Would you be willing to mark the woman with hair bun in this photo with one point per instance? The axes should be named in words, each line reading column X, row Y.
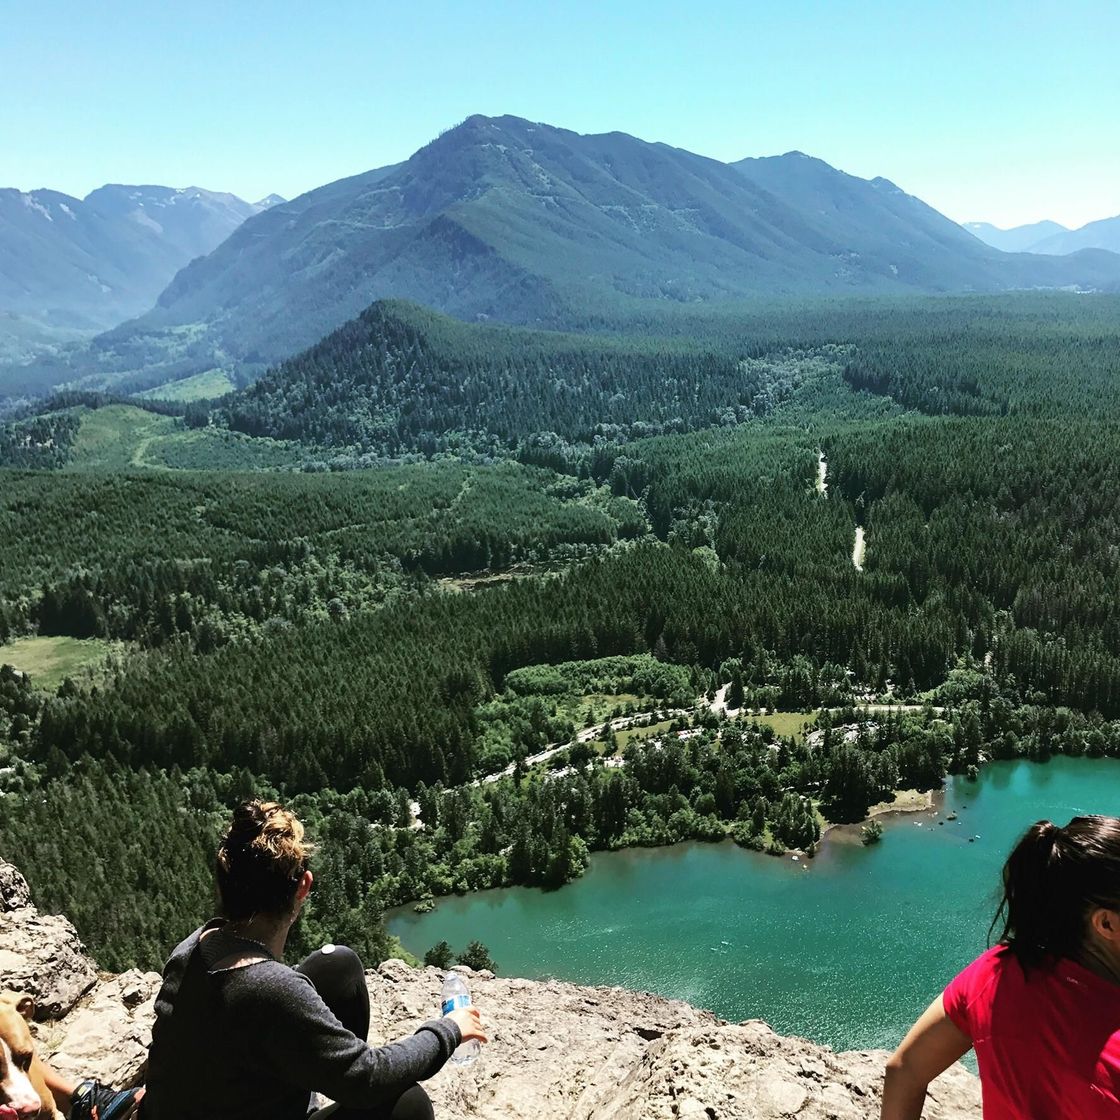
column 241, row 1036
column 1041, row 1008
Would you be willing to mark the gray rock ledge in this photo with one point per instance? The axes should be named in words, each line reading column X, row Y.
column 557, row 1050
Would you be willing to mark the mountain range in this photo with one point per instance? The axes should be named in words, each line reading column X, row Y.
column 1050, row 237
column 1018, row 239
column 87, row 264
column 500, row 218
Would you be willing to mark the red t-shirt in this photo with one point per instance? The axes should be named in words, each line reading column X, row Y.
column 1047, row 1042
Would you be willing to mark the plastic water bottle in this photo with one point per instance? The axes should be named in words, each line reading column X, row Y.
column 456, row 994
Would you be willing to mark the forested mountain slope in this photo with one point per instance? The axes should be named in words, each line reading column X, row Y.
column 400, row 378
column 362, row 640
column 878, row 228
column 526, row 223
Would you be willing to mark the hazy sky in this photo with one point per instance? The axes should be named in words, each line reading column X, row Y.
column 1002, row 111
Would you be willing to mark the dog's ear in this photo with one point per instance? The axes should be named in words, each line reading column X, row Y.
column 22, row 1003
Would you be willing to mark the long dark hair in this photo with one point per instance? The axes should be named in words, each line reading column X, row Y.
column 1051, row 881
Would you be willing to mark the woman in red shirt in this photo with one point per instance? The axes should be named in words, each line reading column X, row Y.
column 1041, row 1008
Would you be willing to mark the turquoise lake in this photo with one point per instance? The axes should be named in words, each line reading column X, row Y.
column 847, row 952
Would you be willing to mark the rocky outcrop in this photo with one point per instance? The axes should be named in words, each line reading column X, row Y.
column 557, row 1050
column 106, row 1036
column 40, row 955
column 579, row 1053
column 14, row 891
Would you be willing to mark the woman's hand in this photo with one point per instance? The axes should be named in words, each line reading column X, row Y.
column 468, row 1022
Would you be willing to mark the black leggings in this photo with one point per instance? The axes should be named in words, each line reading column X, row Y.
column 339, row 978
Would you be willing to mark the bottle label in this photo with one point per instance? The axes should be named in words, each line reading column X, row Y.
column 455, row 1002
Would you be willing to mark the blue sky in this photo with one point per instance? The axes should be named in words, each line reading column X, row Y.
column 1006, row 112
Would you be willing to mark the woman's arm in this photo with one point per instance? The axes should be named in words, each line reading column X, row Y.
column 294, row 1035
column 933, row 1044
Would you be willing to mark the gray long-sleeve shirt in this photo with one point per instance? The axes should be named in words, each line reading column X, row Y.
column 251, row 1043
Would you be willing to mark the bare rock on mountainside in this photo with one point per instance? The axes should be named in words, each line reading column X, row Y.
column 556, row 1049
column 583, row 1053
column 14, row 891
column 39, row 954
column 106, row 1036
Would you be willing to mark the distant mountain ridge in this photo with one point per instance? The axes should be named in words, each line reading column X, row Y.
column 1018, row 239
column 883, row 234
column 1050, row 237
column 500, row 218
column 1104, row 234
column 93, row 262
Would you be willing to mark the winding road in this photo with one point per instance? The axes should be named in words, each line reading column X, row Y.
column 623, row 723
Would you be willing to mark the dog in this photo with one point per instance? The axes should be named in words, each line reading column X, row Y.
column 23, row 1090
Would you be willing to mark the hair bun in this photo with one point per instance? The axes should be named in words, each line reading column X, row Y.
column 260, row 858
column 247, row 824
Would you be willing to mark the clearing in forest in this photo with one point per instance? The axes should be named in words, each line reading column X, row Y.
column 786, row 724
column 124, row 437
column 210, row 385
column 114, row 437
column 627, row 735
column 48, row 661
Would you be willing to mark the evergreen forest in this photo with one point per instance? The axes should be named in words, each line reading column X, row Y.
column 480, row 601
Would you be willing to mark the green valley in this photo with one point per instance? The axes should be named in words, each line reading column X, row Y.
column 482, row 600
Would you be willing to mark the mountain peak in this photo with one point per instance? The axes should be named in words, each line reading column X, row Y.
column 794, row 157
column 503, row 218
column 478, row 129
column 882, row 184
column 90, row 263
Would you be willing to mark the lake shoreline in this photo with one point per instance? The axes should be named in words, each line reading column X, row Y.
column 906, row 803
column 846, row 956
